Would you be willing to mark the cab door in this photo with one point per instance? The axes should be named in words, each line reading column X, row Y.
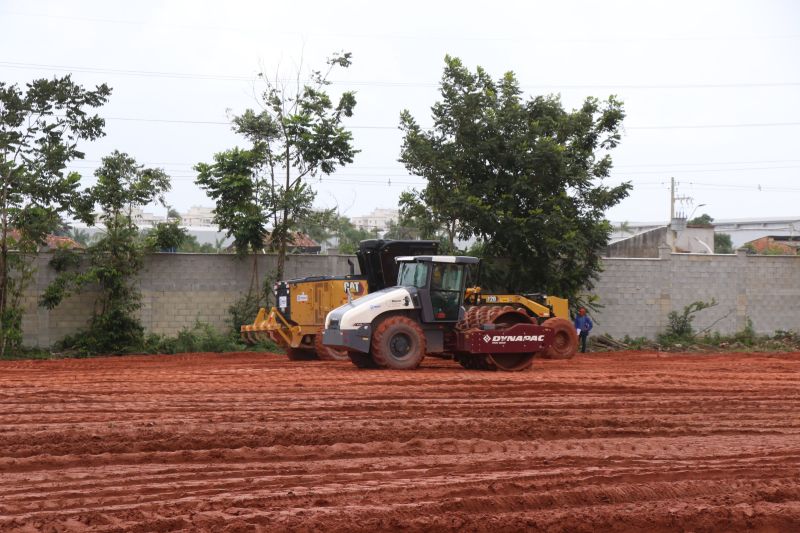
column 447, row 291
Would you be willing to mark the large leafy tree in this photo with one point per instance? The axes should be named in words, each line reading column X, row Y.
column 296, row 134
column 418, row 221
column 523, row 176
column 703, row 220
column 115, row 258
column 40, row 129
column 241, row 194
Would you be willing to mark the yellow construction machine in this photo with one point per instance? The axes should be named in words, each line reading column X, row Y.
column 296, row 321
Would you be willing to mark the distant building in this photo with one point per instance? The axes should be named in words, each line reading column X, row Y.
column 644, row 240
column 743, row 230
column 52, row 242
column 377, row 220
column 145, row 220
column 775, row 244
column 198, row 216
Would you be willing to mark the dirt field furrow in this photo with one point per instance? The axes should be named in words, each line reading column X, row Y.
column 252, row 442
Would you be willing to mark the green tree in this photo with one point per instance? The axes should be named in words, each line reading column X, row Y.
column 524, row 176
column 349, row 235
column 722, row 243
column 397, row 230
column 191, row 245
column 40, row 129
column 115, row 258
column 166, row 236
column 442, row 222
column 319, row 225
column 81, row 236
column 241, row 193
column 172, row 214
column 296, row 134
column 702, row 220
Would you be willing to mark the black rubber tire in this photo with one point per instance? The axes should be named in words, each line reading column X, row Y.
column 565, row 341
column 301, row 354
column 362, row 360
column 398, row 342
column 328, row 353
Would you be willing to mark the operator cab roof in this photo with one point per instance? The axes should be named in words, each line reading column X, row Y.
column 459, row 259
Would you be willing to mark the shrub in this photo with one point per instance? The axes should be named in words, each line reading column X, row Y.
column 680, row 324
column 202, row 337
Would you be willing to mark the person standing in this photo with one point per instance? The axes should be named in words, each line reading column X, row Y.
column 583, row 325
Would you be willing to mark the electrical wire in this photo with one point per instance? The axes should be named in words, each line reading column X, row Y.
column 396, row 128
column 378, row 83
column 528, row 37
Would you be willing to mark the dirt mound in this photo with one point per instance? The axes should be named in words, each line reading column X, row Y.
column 252, row 442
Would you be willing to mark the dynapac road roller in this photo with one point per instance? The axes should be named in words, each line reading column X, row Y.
column 425, row 314
column 296, row 321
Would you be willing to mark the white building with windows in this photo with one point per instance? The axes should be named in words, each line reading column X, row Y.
column 145, row 220
column 198, row 216
column 377, row 220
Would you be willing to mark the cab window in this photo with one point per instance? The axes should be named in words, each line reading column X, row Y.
column 412, row 275
column 446, row 277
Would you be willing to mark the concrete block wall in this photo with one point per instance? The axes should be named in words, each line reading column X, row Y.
column 177, row 290
column 638, row 294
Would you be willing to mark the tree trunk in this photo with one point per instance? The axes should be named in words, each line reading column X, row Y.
column 282, row 244
column 281, row 261
column 3, row 275
column 3, row 291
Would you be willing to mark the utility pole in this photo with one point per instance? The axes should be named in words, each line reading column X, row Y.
column 679, row 223
column 672, row 199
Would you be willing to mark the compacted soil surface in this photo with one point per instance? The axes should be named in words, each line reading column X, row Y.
column 252, row 442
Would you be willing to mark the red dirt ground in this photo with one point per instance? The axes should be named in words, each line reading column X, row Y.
column 252, row 442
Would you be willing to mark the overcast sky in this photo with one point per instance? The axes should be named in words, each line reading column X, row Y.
column 711, row 88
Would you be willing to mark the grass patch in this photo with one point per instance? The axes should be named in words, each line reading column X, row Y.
column 22, row 354
column 746, row 340
column 201, row 337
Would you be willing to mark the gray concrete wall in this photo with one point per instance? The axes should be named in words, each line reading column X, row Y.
column 177, row 290
column 638, row 294
column 643, row 244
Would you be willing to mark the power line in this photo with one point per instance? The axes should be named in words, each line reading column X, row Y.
column 711, row 126
column 693, row 171
column 416, row 36
column 124, row 72
column 391, row 181
column 378, row 83
column 395, row 167
column 396, row 128
column 709, row 163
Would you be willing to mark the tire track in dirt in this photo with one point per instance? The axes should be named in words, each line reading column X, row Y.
column 253, row 442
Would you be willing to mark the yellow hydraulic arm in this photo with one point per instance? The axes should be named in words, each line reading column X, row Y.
column 559, row 306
